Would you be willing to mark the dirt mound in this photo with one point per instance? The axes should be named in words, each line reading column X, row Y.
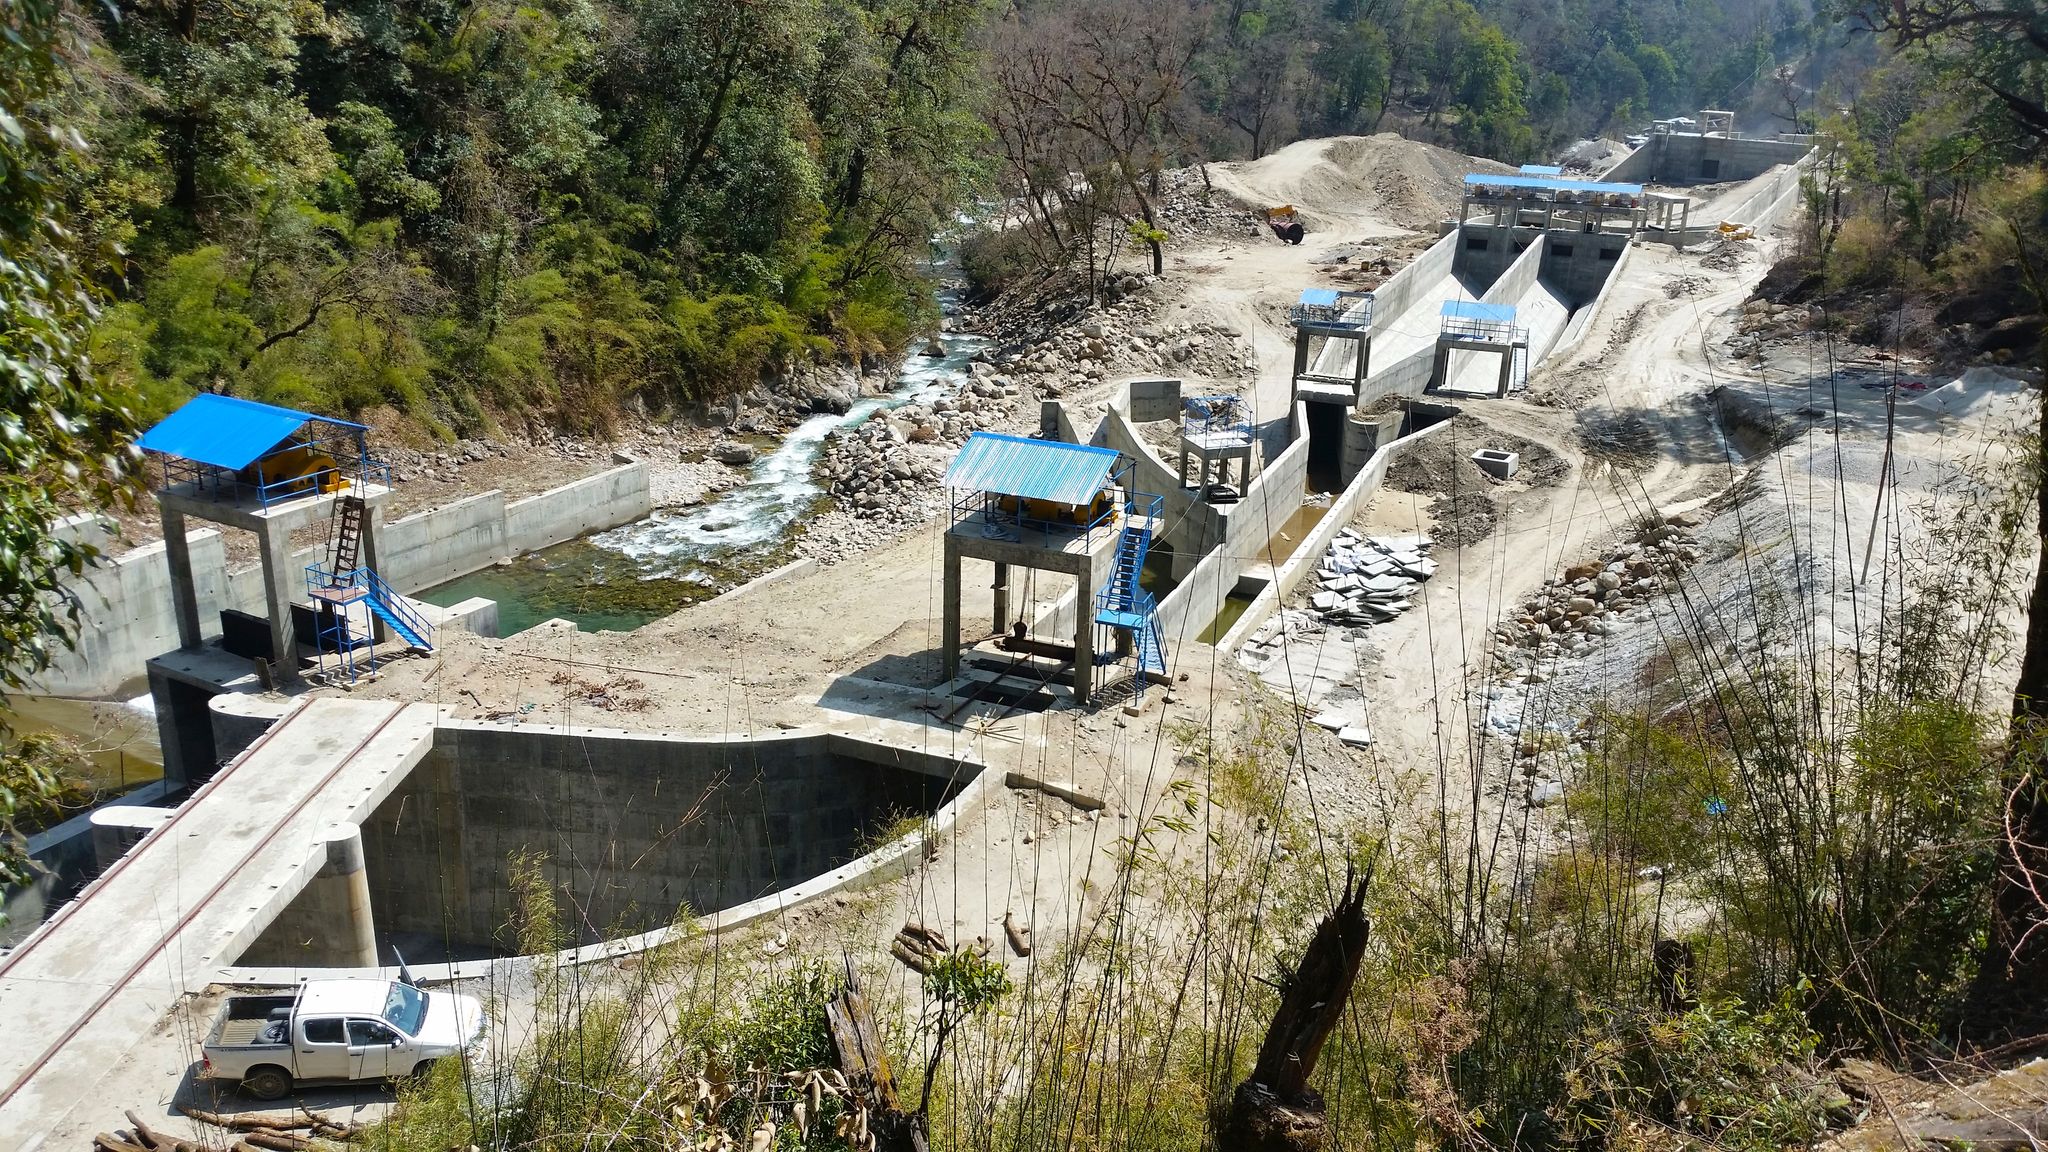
column 1467, row 504
column 1352, row 181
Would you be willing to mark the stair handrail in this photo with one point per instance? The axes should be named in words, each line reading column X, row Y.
column 396, row 605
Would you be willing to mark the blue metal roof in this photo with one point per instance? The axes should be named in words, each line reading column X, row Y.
column 1034, row 469
column 1322, row 297
column 1542, row 170
column 1474, row 310
column 226, row 431
column 1548, row 184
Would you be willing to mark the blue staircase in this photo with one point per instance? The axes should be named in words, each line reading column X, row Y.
column 396, row 614
column 336, row 595
column 1122, row 604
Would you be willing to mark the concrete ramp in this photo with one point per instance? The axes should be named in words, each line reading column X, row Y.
column 94, row 981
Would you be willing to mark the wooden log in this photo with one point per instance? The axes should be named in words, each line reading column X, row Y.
column 1020, row 936
column 857, row 1045
column 248, row 1121
column 108, row 1142
column 278, row 1141
column 1275, row 1110
column 918, row 962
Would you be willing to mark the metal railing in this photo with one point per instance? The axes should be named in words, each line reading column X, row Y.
column 1484, row 331
column 355, row 475
column 320, row 578
column 1352, row 310
column 1205, row 418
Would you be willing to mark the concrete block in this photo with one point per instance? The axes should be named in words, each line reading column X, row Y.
column 1496, row 463
column 1155, row 398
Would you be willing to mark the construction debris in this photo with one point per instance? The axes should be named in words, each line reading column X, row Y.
column 1368, row 580
column 1019, row 934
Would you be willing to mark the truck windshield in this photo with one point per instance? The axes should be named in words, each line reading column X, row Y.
column 406, row 1007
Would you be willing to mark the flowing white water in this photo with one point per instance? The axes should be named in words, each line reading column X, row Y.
column 695, row 543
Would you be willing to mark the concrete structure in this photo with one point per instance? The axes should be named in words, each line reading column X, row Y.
column 1087, row 556
column 1332, row 344
column 1214, row 430
column 1552, row 204
column 127, row 603
column 1489, row 328
column 1051, row 506
column 271, row 861
column 1701, row 158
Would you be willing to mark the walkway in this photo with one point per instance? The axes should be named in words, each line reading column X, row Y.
column 97, row 978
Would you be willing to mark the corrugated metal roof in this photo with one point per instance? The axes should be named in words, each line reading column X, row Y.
column 226, row 431
column 1473, row 310
column 1323, row 297
column 1542, row 170
column 1551, row 185
column 1034, row 469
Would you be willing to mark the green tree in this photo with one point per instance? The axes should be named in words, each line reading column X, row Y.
column 64, row 435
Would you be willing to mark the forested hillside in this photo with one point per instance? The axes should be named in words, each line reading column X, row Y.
column 546, row 207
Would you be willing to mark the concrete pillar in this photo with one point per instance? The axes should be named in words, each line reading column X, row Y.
column 1358, row 368
column 1438, row 370
column 339, row 896
column 1000, row 592
column 184, row 595
column 373, row 535
column 949, row 628
column 118, row 827
column 1301, row 338
column 280, row 581
column 1507, row 369
column 1093, row 573
column 373, row 538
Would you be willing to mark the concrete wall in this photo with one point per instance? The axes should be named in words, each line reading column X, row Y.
column 1308, row 554
column 564, row 513
column 1155, row 398
column 1410, row 378
column 126, row 602
column 1582, row 320
column 633, row 827
column 1192, row 527
column 1392, row 298
column 1268, row 504
column 1689, row 158
column 1752, row 203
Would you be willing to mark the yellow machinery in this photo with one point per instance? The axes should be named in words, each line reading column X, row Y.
column 313, row 470
column 1282, row 221
column 1050, row 512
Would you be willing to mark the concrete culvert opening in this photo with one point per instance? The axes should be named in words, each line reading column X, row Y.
column 1326, row 445
column 628, row 830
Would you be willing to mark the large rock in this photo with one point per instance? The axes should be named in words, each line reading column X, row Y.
column 735, row 454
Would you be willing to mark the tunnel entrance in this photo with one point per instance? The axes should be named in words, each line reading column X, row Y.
column 1326, row 445
column 627, row 833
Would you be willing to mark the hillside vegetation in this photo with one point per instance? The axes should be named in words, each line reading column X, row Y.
column 553, row 207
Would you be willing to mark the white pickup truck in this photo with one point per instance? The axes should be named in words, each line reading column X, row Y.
column 337, row 1030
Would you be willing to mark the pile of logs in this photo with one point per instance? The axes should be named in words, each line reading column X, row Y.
column 254, row 1132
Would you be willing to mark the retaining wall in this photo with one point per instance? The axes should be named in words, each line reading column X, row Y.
column 1394, row 296
column 1268, row 504
column 126, row 607
column 1309, row 553
column 1690, row 158
column 633, row 827
column 1582, row 320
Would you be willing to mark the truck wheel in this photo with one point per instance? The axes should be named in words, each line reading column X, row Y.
column 267, row 1083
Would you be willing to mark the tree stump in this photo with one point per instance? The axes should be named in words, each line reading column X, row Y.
column 1275, row 1110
